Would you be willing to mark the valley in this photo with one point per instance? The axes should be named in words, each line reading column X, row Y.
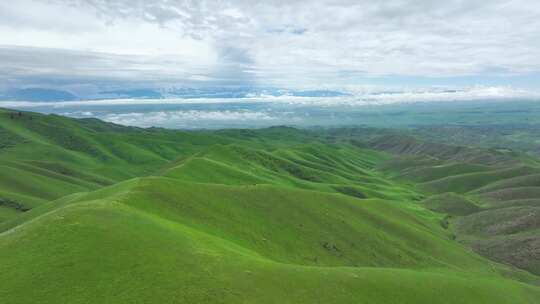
column 96, row 212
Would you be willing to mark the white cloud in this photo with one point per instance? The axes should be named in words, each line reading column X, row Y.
column 187, row 119
column 293, row 43
column 478, row 93
column 360, row 97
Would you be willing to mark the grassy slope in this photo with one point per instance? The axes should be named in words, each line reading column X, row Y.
column 451, row 204
column 430, row 173
column 138, row 242
column 520, row 181
column 494, row 210
column 332, row 169
column 463, row 183
column 231, row 216
column 44, row 157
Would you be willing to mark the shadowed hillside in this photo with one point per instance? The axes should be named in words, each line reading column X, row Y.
column 492, row 201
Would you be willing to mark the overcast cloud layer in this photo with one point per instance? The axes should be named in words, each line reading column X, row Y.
column 88, row 45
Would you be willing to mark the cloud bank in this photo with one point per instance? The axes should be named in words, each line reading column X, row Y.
column 359, row 98
column 189, row 119
column 98, row 45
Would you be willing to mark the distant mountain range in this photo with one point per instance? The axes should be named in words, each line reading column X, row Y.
column 39, row 94
column 51, row 95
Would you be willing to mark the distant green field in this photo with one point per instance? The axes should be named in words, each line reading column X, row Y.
column 92, row 212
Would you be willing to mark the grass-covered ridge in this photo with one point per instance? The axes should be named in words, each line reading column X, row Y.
column 492, row 208
column 276, row 215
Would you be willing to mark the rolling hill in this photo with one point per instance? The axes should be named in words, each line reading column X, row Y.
column 491, row 207
column 95, row 212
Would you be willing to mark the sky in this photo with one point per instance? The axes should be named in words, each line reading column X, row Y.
column 92, row 45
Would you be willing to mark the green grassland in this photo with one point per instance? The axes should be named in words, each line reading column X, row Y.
column 450, row 203
column 92, row 212
column 494, row 210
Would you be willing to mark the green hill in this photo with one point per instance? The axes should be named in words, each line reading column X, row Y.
column 157, row 239
column 519, row 181
column 93, row 212
column 491, row 208
column 463, row 183
column 430, row 173
column 450, row 203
